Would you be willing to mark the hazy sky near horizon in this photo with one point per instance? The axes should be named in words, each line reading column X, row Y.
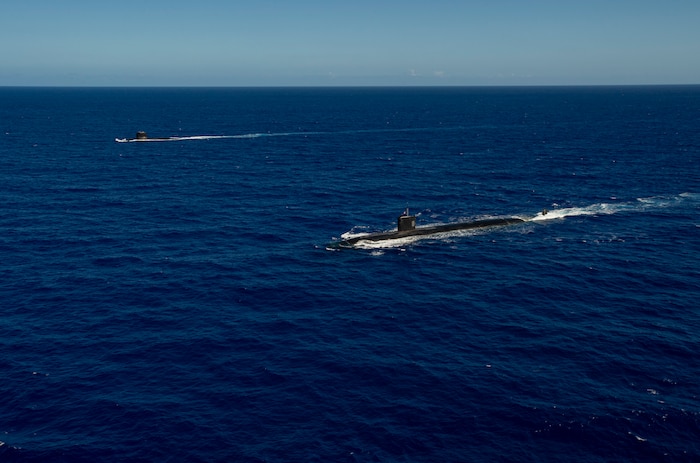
column 359, row 42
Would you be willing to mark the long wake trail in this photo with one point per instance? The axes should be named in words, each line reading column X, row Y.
column 282, row 134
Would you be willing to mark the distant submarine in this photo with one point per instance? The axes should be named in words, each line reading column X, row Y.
column 143, row 136
column 407, row 227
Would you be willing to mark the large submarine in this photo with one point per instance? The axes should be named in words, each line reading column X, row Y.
column 407, row 227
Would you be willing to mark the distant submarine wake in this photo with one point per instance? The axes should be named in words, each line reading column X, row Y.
column 142, row 136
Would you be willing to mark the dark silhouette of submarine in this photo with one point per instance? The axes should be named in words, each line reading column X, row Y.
column 143, row 136
column 407, row 227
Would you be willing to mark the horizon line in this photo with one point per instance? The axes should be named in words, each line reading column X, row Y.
column 357, row 86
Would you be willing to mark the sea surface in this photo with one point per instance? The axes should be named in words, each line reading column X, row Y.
column 185, row 300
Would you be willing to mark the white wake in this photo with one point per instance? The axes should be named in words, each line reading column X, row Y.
column 639, row 205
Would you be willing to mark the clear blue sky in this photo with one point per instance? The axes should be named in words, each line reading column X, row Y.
column 353, row 42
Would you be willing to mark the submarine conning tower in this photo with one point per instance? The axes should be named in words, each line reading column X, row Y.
column 406, row 222
column 141, row 135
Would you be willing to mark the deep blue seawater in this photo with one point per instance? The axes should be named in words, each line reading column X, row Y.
column 182, row 301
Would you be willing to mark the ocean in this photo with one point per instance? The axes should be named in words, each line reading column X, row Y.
column 185, row 300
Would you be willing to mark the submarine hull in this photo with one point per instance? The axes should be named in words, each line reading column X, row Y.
column 430, row 230
column 143, row 136
column 132, row 140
